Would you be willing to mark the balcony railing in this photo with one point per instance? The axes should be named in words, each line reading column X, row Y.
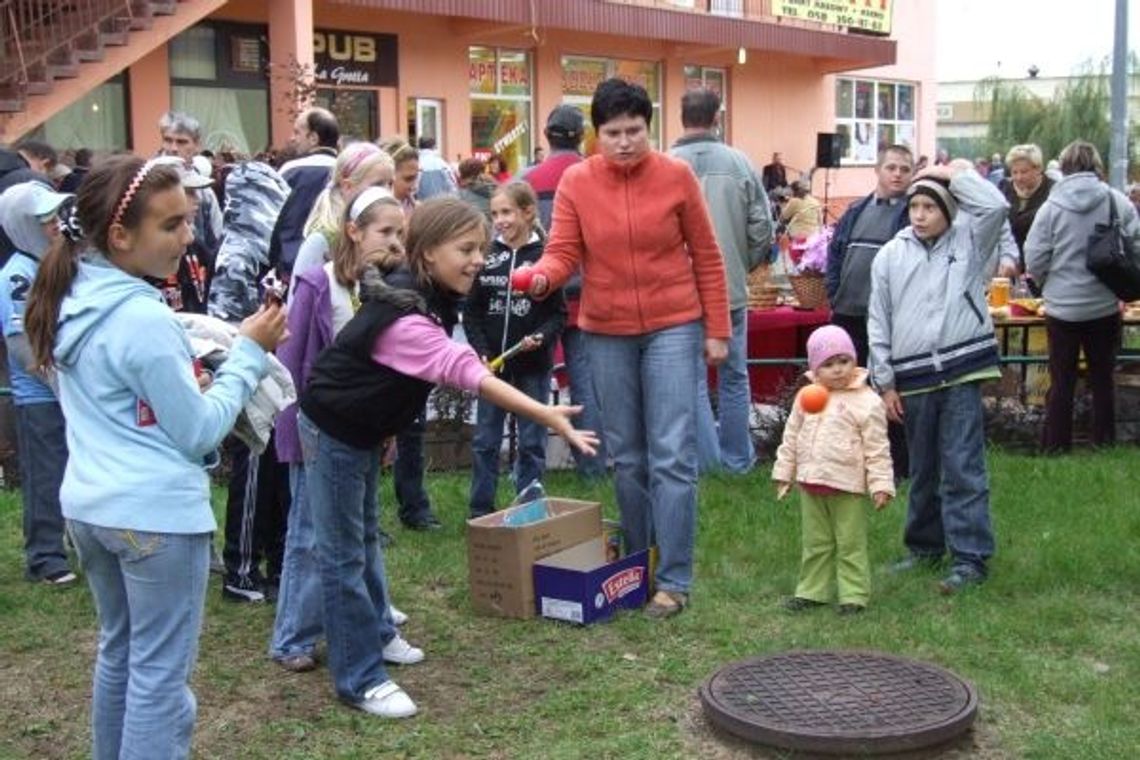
column 37, row 34
column 747, row 10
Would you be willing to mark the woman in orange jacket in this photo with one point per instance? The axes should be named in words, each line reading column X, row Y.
column 653, row 297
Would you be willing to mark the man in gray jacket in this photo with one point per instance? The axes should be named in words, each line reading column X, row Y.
column 742, row 222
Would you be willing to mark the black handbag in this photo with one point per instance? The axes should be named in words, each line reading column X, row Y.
column 1110, row 257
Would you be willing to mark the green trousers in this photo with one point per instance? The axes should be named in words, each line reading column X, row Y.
column 834, row 548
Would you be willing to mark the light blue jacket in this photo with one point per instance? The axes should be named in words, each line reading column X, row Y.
column 927, row 322
column 139, row 429
column 1056, row 249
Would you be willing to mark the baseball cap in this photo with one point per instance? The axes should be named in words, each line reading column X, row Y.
column 565, row 121
column 45, row 202
column 191, row 180
column 202, row 165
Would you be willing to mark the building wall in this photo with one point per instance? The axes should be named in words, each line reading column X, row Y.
column 776, row 102
column 913, row 26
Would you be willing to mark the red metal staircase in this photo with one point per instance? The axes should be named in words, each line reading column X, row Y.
column 54, row 46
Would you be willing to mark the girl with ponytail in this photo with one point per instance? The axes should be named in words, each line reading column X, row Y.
column 135, row 493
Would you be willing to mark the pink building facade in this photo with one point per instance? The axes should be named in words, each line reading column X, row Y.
column 480, row 77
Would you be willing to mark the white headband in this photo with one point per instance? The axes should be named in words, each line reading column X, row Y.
column 366, row 199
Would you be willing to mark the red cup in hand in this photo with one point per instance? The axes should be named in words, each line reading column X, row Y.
column 521, row 279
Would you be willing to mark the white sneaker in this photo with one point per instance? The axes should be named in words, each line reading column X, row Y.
column 388, row 701
column 398, row 618
column 399, row 652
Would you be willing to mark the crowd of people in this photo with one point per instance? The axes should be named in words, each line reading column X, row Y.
column 347, row 269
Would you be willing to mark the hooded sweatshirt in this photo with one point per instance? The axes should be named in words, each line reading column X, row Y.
column 496, row 318
column 139, row 429
column 31, row 243
column 14, row 170
column 1057, row 246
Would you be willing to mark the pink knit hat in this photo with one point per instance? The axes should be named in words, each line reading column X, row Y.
column 826, row 342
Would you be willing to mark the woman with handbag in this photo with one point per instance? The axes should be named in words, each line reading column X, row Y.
column 1082, row 311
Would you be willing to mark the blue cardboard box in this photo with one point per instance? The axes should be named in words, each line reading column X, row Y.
column 578, row 585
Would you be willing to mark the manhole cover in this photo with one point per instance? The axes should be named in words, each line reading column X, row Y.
column 839, row 702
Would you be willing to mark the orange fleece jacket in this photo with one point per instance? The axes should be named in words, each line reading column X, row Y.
column 643, row 239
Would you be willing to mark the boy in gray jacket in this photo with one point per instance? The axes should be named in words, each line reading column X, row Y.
column 932, row 344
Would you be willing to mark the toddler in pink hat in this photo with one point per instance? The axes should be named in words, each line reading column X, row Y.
column 837, row 457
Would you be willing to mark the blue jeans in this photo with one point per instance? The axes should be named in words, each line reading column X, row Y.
column 577, row 358
column 42, row 441
column 149, row 591
column 341, row 482
column 298, row 625
column 647, row 394
column 488, row 442
column 949, row 506
column 729, row 445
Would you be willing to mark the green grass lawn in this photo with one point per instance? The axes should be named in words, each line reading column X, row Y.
column 1051, row 642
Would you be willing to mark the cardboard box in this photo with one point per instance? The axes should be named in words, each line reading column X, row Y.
column 500, row 558
column 579, row 585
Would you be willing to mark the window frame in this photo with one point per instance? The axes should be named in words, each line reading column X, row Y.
column 532, row 133
column 582, row 102
column 848, row 124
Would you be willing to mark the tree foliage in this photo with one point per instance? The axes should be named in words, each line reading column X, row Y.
column 1080, row 109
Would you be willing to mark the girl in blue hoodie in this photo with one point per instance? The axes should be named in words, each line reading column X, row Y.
column 141, row 432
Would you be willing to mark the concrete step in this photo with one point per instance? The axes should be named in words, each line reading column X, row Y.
column 89, row 47
column 12, row 95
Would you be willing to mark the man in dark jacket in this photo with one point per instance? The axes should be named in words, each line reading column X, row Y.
column 775, row 175
column 315, row 136
column 863, row 229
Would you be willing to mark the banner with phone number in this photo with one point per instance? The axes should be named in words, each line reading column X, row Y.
column 869, row 15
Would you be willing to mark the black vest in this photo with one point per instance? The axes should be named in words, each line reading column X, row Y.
column 351, row 397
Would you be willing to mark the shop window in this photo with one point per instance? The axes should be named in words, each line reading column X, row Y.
column 218, row 75
column 97, row 121
column 715, row 80
column 500, row 83
column 193, row 54
column 355, row 111
column 871, row 115
column 581, row 75
column 231, row 119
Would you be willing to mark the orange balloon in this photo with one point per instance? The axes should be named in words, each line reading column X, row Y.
column 813, row 398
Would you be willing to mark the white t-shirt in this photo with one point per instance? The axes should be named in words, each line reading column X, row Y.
column 341, row 298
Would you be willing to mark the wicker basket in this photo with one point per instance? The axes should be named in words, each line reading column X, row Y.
column 810, row 289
